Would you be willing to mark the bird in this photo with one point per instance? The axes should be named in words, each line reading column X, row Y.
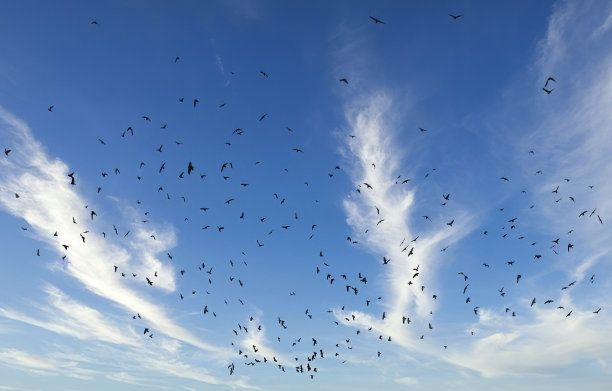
column 50, row 108
column 455, row 17
column 547, row 91
column 343, row 80
column 376, row 20
column 548, row 80
column 195, row 102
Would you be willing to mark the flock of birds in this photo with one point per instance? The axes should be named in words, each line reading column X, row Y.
column 350, row 282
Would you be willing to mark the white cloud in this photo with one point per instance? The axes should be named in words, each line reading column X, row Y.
column 69, row 317
column 407, row 381
column 375, row 160
column 43, row 365
column 48, row 203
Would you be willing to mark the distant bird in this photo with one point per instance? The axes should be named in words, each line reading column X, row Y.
column 376, row 21
column 547, row 91
column 262, row 117
column 176, row 58
column 343, row 80
column 518, row 277
column 264, row 74
column 7, row 151
column 94, row 22
column 549, row 80
column 50, row 108
column 455, row 17
column 195, row 102
column 189, row 168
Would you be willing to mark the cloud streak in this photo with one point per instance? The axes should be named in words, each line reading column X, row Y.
column 48, row 204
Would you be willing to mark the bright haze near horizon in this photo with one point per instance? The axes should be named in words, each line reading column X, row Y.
column 312, row 196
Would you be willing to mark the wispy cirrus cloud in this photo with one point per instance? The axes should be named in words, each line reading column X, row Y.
column 375, row 162
column 44, row 364
column 49, row 204
column 571, row 141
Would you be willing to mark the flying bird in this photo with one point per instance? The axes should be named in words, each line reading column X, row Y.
column 376, row 20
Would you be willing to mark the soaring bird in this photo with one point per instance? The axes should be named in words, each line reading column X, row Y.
column 195, row 102
column 547, row 91
column 548, row 80
column 343, row 80
column 50, row 108
column 189, row 168
column 376, row 21
column 455, row 17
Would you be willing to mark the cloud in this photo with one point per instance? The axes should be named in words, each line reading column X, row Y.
column 48, row 204
column 407, row 381
column 375, row 160
column 69, row 317
column 548, row 343
column 571, row 139
column 43, row 365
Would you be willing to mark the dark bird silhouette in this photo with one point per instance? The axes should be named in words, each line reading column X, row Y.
column 455, row 17
column 547, row 91
column 262, row 117
column 195, row 102
column 50, row 108
column 518, row 277
column 189, row 168
column 376, row 20
column 343, row 80
column 549, row 80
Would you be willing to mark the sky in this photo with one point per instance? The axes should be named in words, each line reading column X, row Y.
column 267, row 195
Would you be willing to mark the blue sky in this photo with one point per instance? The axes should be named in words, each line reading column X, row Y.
column 261, row 230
